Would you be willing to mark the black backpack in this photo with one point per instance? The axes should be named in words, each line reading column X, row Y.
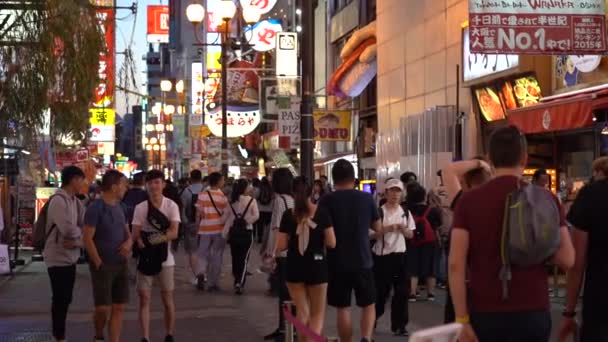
column 265, row 195
column 190, row 211
column 239, row 233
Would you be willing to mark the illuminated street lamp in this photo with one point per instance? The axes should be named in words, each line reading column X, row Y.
column 179, row 86
column 195, row 13
column 169, row 109
column 166, row 85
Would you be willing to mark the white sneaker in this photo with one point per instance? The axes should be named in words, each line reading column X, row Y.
column 193, row 280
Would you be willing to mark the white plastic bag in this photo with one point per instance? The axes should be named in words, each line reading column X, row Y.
column 5, row 266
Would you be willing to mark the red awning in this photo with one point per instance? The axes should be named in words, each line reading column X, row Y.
column 567, row 113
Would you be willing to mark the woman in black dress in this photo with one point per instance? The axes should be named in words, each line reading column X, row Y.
column 307, row 271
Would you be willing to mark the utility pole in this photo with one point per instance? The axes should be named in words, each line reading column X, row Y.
column 308, row 71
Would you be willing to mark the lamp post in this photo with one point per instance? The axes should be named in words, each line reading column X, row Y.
column 226, row 11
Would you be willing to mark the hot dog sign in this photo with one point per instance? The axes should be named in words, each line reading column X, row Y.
column 359, row 64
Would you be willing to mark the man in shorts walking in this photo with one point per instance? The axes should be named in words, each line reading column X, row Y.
column 352, row 214
column 108, row 244
column 142, row 227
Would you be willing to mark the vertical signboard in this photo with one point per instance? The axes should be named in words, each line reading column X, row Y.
column 197, row 88
column 287, row 54
column 289, row 124
column 103, row 99
column 158, row 24
column 538, row 26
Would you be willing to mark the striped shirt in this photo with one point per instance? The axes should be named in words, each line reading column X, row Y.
column 211, row 219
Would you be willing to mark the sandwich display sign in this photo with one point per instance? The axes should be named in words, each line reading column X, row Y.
column 538, row 27
column 332, row 125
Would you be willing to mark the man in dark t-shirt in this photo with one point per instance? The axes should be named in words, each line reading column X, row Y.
column 475, row 248
column 352, row 214
column 590, row 236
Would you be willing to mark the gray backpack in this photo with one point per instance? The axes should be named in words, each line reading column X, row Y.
column 530, row 231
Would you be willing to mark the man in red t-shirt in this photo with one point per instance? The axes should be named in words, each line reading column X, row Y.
column 475, row 250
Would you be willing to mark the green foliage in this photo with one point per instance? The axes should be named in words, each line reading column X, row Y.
column 54, row 67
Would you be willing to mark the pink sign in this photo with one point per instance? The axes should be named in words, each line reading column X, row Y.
column 537, row 27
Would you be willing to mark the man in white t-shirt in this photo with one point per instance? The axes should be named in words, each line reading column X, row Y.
column 390, row 270
column 155, row 183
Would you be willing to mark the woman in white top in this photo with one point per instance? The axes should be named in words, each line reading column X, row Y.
column 390, row 269
column 238, row 230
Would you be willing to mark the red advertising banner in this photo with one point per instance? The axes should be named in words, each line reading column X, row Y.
column 104, row 93
column 537, row 27
column 158, row 24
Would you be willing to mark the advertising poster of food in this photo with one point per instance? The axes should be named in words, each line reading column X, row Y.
column 527, row 91
column 332, row 125
column 507, row 97
column 489, row 104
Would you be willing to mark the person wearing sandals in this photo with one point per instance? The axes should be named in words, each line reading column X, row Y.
column 307, row 270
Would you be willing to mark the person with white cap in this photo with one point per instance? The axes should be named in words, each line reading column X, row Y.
column 389, row 247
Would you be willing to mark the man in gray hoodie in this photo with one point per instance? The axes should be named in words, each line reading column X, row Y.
column 62, row 247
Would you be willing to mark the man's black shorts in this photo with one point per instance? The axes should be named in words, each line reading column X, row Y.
column 342, row 284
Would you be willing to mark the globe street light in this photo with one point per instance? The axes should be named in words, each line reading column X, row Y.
column 166, row 85
column 195, row 13
column 227, row 9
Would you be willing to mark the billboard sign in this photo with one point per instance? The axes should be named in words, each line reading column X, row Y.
column 538, row 27
column 263, row 35
column 103, row 104
column 332, row 125
column 158, row 24
column 197, row 88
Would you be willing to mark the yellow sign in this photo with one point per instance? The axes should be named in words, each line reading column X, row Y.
column 102, row 117
column 213, row 60
column 199, row 132
column 332, row 125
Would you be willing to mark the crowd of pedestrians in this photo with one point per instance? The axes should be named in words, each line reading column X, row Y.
column 321, row 244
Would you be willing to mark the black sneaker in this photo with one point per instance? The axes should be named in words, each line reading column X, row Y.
column 412, row 298
column 169, row 338
column 238, row 289
column 201, row 282
column 275, row 334
column 401, row 332
column 430, row 297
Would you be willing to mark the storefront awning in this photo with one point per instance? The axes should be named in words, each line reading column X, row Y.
column 559, row 114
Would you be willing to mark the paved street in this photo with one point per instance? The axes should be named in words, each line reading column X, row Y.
column 25, row 302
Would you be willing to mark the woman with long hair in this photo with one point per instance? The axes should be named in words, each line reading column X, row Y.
column 317, row 191
column 307, row 271
column 238, row 230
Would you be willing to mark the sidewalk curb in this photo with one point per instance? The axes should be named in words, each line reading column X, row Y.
column 4, row 279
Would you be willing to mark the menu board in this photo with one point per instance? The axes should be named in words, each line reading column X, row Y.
column 496, row 99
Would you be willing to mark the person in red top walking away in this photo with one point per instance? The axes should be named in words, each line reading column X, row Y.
column 475, row 250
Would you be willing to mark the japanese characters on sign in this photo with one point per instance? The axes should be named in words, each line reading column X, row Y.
column 102, row 122
column 263, row 35
column 104, row 93
column 537, row 26
column 158, row 24
column 239, row 123
column 477, row 65
column 332, row 125
column 197, row 88
column 262, row 6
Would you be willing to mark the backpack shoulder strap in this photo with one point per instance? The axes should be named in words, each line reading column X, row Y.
column 381, row 213
column 213, row 203
column 427, row 212
column 284, row 201
column 247, row 207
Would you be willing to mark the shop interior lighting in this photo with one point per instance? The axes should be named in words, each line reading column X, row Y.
column 605, row 129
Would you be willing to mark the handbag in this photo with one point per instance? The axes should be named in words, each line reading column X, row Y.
column 152, row 256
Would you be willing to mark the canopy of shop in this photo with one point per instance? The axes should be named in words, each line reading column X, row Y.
column 560, row 113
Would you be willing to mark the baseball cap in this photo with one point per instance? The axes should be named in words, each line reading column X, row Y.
column 394, row 183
